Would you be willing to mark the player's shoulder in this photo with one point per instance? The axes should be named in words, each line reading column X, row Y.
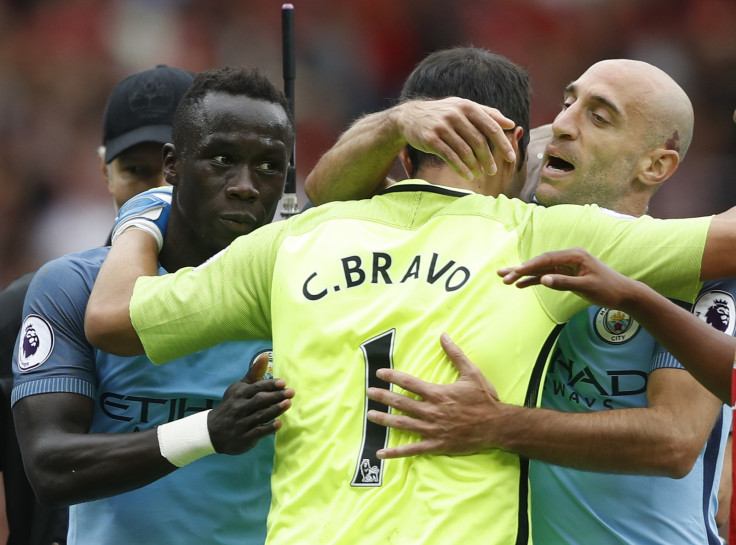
column 87, row 260
column 64, row 273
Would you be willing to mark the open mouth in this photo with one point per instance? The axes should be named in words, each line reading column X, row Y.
column 556, row 163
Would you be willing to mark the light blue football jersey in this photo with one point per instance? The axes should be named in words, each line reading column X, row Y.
column 218, row 499
column 602, row 361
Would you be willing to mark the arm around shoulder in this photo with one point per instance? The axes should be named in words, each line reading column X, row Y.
column 704, row 351
column 359, row 162
column 460, row 132
column 107, row 322
column 719, row 259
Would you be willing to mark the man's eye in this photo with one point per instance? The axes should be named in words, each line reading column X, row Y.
column 270, row 166
column 222, row 159
column 138, row 170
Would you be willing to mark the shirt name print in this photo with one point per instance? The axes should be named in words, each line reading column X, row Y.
column 381, row 270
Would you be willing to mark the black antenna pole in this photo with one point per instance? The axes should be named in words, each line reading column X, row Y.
column 290, row 204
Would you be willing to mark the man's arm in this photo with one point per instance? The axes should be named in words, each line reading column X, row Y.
column 719, row 259
column 137, row 237
column 466, row 416
column 66, row 464
column 107, row 322
column 705, row 352
column 455, row 129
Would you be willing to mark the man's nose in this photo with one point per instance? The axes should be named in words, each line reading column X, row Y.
column 565, row 124
column 243, row 185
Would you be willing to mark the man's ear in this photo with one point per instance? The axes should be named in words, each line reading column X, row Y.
column 658, row 165
column 170, row 159
column 406, row 162
column 516, row 135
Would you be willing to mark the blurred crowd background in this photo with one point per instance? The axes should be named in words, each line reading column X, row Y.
column 59, row 59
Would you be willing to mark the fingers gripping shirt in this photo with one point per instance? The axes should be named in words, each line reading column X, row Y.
column 350, row 287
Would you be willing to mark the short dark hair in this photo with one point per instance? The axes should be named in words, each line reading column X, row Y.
column 475, row 74
column 236, row 81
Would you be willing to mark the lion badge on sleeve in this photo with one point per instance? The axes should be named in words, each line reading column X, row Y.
column 36, row 344
column 718, row 309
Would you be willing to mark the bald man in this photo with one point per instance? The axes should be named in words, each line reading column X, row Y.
column 624, row 128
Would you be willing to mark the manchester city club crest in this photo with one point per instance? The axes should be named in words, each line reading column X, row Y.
column 36, row 343
column 615, row 326
column 716, row 308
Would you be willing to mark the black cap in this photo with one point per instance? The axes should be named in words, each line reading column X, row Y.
column 141, row 108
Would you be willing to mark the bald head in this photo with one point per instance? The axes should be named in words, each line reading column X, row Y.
column 623, row 130
column 651, row 95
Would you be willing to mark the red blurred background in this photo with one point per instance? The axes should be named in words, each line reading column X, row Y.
column 59, row 59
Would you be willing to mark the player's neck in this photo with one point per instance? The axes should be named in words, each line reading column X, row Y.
column 182, row 247
column 631, row 205
column 445, row 176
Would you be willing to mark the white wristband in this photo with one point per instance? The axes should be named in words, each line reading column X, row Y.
column 142, row 224
column 185, row 440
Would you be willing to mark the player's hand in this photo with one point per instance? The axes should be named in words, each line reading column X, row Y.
column 248, row 410
column 451, row 418
column 574, row 270
column 458, row 131
column 148, row 211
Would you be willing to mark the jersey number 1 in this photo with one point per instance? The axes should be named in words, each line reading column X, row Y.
column 378, row 354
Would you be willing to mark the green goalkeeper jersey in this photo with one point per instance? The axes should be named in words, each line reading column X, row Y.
column 347, row 288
